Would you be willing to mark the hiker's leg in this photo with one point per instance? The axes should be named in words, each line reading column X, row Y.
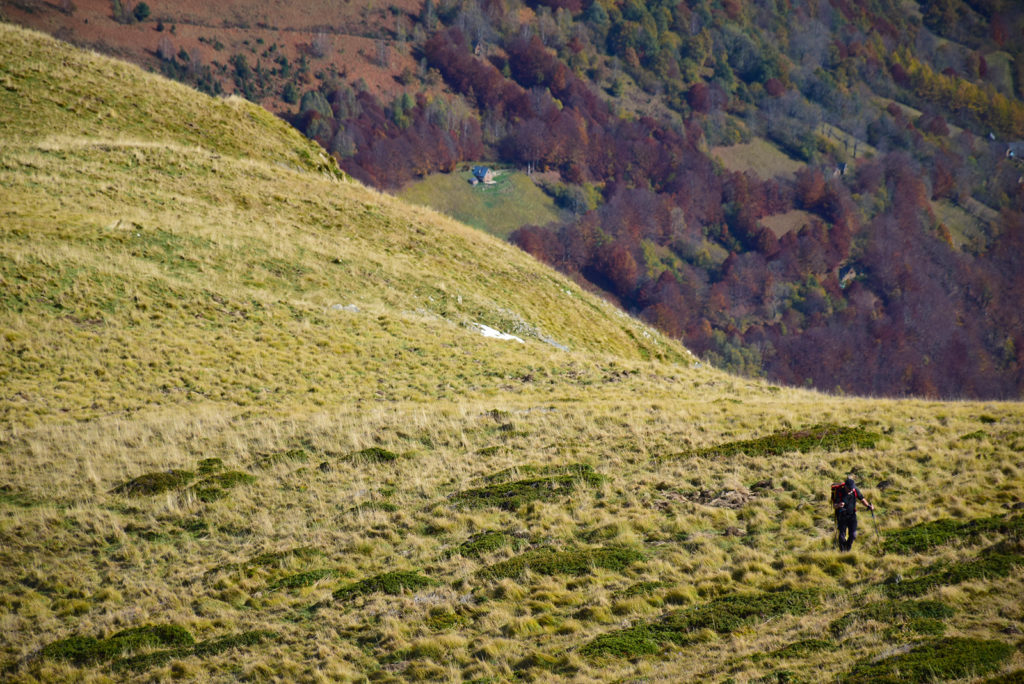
column 844, row 528
column 852, row 523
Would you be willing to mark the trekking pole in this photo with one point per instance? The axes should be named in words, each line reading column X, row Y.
column 874, row 523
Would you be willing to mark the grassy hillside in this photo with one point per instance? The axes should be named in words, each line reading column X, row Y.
column 513, row 201
column 252, row 430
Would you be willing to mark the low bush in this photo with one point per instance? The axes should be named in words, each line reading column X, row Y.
column 84, row 650
column 997, row 562
column 937, row 660
column 511, row 495
column 389, row 583
column 563, row 562
column 209, row 465
column 154, row 483
column 375, row 455
column 723, row 615
column 928, row 535
column 216, row 486
column 826, row 437
column 145, row 661
column 485, row 542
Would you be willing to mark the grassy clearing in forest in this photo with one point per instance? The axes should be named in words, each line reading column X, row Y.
column 759, row 156
column 245, row 401
column 512, row 202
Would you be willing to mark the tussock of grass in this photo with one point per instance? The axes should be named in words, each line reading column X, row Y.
column 304, row 579
column 825, row 437
column 271, row 559
column 527, row 471
column 268, row 460
column 723, row 615
column 942, row 659
column 928, row 535
column 563, row 562
column 917, row 616
column 994, row 563
column 393, row 583
column 443, row 621
column 154, row 483
column 641, row 589
column 382, row 506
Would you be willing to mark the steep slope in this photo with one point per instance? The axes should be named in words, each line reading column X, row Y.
column 252, row 430
column 236, row 251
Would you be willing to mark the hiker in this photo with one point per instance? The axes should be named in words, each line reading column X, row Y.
column 844, row 501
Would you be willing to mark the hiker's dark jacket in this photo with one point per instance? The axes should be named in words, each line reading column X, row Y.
column 849, row 497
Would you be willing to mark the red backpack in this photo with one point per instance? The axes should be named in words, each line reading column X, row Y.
column 838, row 492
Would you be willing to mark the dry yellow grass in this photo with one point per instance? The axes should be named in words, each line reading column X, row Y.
column 306, row 348
column 759, row 156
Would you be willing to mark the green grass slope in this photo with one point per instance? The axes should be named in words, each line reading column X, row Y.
column 511, row 202
column 251, row 430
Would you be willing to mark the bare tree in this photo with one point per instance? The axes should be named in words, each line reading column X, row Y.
column 383, row 54
column 165, row 49
column 321, row 44
column 195, row 61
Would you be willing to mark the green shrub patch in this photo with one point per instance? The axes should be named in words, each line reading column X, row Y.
column 144, row 661
column 210, row 465
column 937, row 660
column 389, row 583
column 216, row 486
column 997, row 562
column 563, row 562
column 375, row 455
column 485, row 542
column 927, row 535
column 892, row 611
column 154, row 483
column 84, row 650
column 723, row 615
column 240, row 640
column 444, row 621
column 826, row 437
column 511, row 495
